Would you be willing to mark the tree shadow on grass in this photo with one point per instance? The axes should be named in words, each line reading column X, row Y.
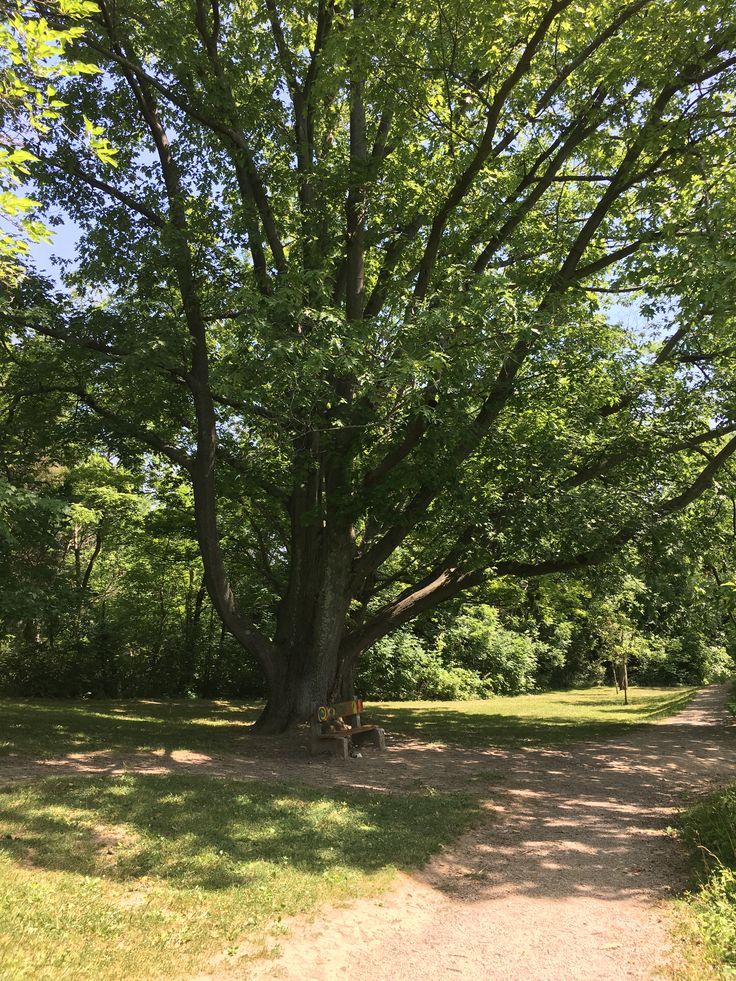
column 464, row 729
column 583, row 819
column 46, row 728
column 52, row 728
column 205, row 834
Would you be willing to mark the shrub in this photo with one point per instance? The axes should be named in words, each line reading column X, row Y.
column 476, row 641
column 400, row 667
column 710, row 827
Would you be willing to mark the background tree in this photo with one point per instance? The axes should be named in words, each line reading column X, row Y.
column 352, row 277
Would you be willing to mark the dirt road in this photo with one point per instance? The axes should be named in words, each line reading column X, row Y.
column 565, row 880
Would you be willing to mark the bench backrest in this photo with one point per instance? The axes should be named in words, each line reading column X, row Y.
column 326, row 713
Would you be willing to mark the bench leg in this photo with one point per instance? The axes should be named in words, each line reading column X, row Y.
column 379, row 738
column 336, row 747
column 375, row 736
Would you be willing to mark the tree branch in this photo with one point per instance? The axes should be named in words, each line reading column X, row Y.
column 154, row 219
column 483, row 151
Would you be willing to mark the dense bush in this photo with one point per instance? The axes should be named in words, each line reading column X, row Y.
column 476, row 641
column 401, row 667
column 672, row 661
column 466, row 656
column 105, row 667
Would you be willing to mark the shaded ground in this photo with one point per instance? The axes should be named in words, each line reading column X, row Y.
column 142, row 878
column 215, row 743
column 49, row 728
column 564, row 881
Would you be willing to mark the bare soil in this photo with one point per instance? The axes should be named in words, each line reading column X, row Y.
column 565, row 879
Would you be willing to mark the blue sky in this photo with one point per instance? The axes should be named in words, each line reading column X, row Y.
column 62, row 246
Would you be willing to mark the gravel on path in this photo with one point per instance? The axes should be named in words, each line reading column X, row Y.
column 566, row 879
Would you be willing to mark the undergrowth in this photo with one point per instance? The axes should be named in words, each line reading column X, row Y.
column 709, row 828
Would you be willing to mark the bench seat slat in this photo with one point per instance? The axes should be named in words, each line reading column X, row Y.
column 344, row 733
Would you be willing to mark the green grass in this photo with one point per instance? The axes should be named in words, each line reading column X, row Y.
column 552, row 718
column 147, row 877
column 709, row 912
column 54, row 728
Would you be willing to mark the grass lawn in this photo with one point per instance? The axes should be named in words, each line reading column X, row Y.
column 148, row 877
column 144, row 877
column 53, row 728
column 552, row 718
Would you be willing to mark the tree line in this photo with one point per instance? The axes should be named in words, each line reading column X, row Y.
column 102, row 594
column 353, row 273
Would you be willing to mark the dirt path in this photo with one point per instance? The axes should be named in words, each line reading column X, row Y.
column 564, row 881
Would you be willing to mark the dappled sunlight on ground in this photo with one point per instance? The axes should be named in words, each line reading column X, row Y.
column 563, row 879
column 574, row 842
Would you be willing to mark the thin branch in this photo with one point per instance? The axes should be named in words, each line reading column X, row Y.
column 249, row 180
column 123, row 425
column 355, row 205
column 664, row 509
column 607, row 463
column 466, row 179
column 74, row 170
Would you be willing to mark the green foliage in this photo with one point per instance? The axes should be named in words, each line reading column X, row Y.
column 476, row 640
column 460, row 656
column 400, row 666
column 709, row 828
column 34, row 59
column 406, row 303
column 101, row 593
column 101, row 589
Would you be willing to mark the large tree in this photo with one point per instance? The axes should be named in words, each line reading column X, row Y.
column 358, row 274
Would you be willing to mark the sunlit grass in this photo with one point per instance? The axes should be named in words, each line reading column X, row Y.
column 708, row 912
column 552, row 718
column 54, row 728
column 144, row 877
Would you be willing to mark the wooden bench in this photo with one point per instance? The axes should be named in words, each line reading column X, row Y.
column 337, row 740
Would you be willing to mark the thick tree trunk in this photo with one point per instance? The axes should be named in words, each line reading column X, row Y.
column 309, row 658
column 309, row 639
column 312, row 677
column 299, row 692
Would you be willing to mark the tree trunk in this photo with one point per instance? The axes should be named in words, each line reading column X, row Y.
column 311, row 659
column 294, row 700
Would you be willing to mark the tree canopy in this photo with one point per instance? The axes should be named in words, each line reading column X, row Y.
column 415, row 296
column 33, row 57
